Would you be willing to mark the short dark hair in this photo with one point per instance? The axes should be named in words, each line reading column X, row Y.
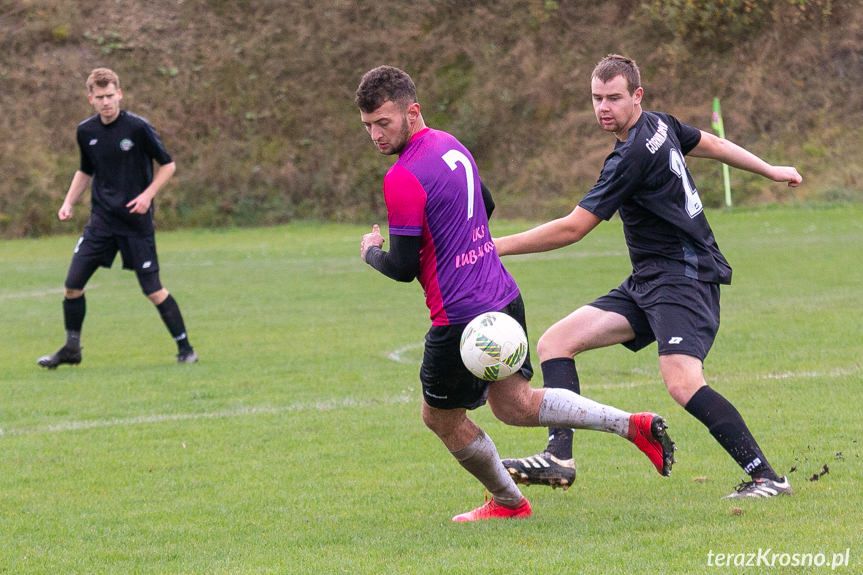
column 385, row 83
column 617, row 65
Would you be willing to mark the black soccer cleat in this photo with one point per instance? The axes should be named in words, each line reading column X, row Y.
column 66, row 354
column 761, row 487
column 542, row 469
column 188, row 356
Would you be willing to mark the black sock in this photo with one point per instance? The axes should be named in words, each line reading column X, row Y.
column 170, row 312
column 726, row 425
column 74, row 311
column 560, row 372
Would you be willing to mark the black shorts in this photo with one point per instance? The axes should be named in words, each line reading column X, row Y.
column 447, row 383
column 97, row 248
column 682, row 317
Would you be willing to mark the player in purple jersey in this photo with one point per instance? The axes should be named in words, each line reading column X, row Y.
column 117, row 153
column 672, row 296
column 437, row 211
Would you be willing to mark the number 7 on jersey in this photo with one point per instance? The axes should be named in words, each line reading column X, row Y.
column 453, row 158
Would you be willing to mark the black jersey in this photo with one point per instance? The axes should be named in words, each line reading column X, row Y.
column 120, row 157
column 645, row 179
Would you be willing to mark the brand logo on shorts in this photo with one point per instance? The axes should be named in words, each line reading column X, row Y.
column 146, row 265
column 126, row 144
column 675, row 340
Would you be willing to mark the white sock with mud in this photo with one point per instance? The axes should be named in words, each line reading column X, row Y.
column 480, row 458
column 563, row 408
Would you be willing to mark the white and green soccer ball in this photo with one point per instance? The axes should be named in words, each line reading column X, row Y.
column 493, row 346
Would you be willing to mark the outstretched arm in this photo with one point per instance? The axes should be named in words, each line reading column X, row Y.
column 550, row 235
column 726, row 151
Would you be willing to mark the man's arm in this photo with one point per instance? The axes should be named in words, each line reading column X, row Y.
column 80, row 181
column 401, row 263
column 487, row 200
column 728, row 152
column 142, row 202
column 550, row 235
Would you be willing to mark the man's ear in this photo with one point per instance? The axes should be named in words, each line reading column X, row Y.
column 413, row 111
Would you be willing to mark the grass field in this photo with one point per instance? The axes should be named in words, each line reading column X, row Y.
column 296, row 446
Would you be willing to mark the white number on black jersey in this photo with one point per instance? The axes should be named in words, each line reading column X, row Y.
column 678, row 166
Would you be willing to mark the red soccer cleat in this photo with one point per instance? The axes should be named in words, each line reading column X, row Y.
column 647, row 432
column 493, row 510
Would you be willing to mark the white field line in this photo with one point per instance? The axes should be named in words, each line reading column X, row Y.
column 34, row 293
column 39, row 292
column 330, row 405
column 249, row 411
column 399, row 356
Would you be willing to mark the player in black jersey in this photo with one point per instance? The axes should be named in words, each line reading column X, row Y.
column 672, row 296
column 117, row 153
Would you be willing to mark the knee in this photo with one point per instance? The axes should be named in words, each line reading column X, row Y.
column 683, row 390
column 502, row 411
column 158, row 297
column 433, row 422
column 683, row 376
column 428, row 420
column 72, row 293
column 543, row 345
column 549, row 346
column 517, row 409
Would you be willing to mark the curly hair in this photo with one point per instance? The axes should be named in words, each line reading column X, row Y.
column 385, row 83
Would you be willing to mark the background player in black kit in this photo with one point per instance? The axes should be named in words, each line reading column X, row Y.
column 117, row 153
column 672, row 296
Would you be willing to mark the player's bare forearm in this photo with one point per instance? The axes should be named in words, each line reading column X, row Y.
column 550, row 235
column 142, row 202
column 80, row 181
column 728, row 152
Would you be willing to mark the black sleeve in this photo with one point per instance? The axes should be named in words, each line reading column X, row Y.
column 487, row 200
column 402, row 262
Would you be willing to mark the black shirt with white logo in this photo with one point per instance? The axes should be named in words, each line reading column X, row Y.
column 645, row 180
column 119, row 156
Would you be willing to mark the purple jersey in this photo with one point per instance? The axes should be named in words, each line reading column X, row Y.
column 433, row 191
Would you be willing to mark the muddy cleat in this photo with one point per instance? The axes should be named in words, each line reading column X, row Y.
column 761, row 487
column 493, row 510
column 542, row 469
column 647, row 432
column 65, row 354
column 187, row 356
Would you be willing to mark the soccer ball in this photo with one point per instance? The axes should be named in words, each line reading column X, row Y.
column 493, row 346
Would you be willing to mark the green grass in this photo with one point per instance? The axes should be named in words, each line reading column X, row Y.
column 296, row 446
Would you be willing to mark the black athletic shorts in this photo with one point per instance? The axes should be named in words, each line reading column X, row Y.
column 447, row 383
column 97, row 248
column 681, row 314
